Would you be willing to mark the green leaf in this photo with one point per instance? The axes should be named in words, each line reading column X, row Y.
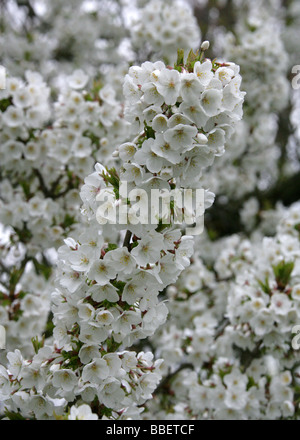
column 150, row 133
column 37, row 344
column 191, row 60
column 113, row 178
column 265, row 286
column 180, row 60
column 69, row 220
column 112, row 345
column 111, row 247
column 26, row 188
column 12, row 415
column 5, row 103
column 283, row 273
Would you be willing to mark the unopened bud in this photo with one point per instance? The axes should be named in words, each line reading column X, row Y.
column 172, row 291
column 202, row 139
column 205, row 45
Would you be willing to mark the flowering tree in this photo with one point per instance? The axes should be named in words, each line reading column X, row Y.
column 111, row 303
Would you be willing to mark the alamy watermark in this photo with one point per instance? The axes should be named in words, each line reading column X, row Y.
column 152, row 207
column 2, row 78
column 2, row 337
column 296, row 338
column 296, row 78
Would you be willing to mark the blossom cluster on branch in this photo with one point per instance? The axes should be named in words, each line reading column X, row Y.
column 107, row 294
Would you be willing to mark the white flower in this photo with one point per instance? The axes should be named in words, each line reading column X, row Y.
column 86, row 311
column 82, row 147
column 285, row 378
column 191, row 87
column 82, row 259
column 40, row 406
column 13, row 117
column 216, row 140
column 16, row 363
column 200, row 397
column 108, row 94
column 34, row 376
column 78, row 80
column 147, row 156
column 288, row 408
column 211, row 101
column 22, row 98
column 148, row 250
column 181, row 136
column 71, row 279
column 262, row 322
column 32, row 151
column 133, row 173
column 87, row 353
column 162, row 148
column 131, row 91
column 114, row 364
column 236, row 381
column 128, row 359
column 224, row 74
column 194, row 112
column 132, row 292
column 82, row 412
column 296, row 292
column 65, row 379
column 91, row 333
column 168, row 85
column 127, row 151
column 104, row 317
column 36, row 206
column 101, row 271
column 184, row 252
column 12, row 150
column 280, row 303
column 160, row 123
column 125, row 321
column 235, row 399
column 204, row 72
column 96, row 371
column 151, row 94
column 111, row 394
column 60, row 334
column 122, row 260
column 103, row 292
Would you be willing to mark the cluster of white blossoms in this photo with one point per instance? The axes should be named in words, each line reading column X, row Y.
column 289, row 31
column 107, row 291
column 24, row 106
column 231, row 322
column 42, row 171
column 262, row 56
column 253, row 158
column 160, row 28
column 188, row 116
column 88, row 125
column 43, row 168
column 132, row 318
column 53, row 40
column 24, row 316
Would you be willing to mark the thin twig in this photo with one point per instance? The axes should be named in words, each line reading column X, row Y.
column 221, row 327
column 127, row 240
column 166, row 381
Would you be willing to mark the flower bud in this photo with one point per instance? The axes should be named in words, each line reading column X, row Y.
column 205, row 45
